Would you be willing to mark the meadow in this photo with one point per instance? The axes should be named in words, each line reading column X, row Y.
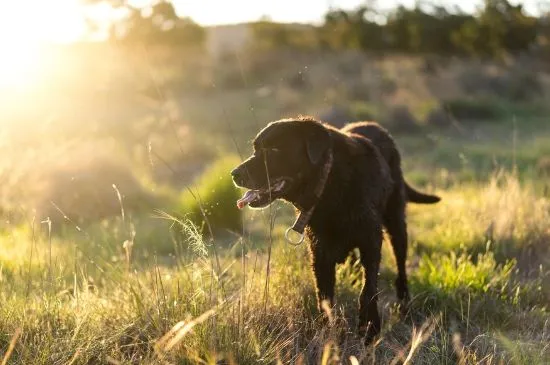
column 120, row 242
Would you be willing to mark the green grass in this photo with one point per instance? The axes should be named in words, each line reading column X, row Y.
column 148, row 287
column 210, row 202
column 473, row 301
column 129, row 289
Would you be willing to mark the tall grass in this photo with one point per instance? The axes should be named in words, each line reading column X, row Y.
column 503, row 214
column 214, row 195
column 466, row 307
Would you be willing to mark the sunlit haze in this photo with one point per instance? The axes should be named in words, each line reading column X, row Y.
column 21, row 41
column 64, row 21
column 290, row 10
column 154, row 155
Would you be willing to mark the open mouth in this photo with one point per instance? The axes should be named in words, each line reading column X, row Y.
column 263, row 197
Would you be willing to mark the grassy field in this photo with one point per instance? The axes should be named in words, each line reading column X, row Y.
column 103, row 259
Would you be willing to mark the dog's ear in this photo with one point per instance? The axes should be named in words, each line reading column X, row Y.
column 317, row 142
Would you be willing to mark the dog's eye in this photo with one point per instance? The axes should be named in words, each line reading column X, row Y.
column 270, row 150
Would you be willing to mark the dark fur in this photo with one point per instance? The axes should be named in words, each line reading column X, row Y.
column 365, row 192
column 382, row 139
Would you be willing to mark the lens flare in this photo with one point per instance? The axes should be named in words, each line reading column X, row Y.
column 24, row 34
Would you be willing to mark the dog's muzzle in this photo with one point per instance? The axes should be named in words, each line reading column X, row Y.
column 239, row 175
column 276, row 188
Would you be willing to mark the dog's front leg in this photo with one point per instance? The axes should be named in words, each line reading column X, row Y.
column 369, row 319
column 324, row 270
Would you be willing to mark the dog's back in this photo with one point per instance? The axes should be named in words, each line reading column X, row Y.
column 382, row 139
column 379, row 136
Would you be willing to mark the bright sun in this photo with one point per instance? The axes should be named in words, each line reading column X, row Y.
column 26, row 27
column 19, row 62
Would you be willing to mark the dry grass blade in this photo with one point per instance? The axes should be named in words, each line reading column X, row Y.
column 325, row 305
column 458, row 348
column 326, row 353
column 75, row 357
column 179, row 330
column 112, row 361
column 270, row 242
column 418, row 338
column 119, row 197
column 11, row 346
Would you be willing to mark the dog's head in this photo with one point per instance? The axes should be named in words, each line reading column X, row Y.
column 287, row 154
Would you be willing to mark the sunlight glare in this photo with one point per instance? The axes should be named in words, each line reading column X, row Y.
column 23, row 38
column 19, row 63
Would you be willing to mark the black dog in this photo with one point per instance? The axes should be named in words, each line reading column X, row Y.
column 347, row 185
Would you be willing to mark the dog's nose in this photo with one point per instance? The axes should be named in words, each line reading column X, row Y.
column 237, row 174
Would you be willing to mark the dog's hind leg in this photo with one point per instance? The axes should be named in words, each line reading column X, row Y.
column 396, row 227
column 369, row 319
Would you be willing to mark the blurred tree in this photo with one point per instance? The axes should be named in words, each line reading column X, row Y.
column 500, row 27
column 543, row 37
column 157, row 24
column 268, row 35
column 422, row 31
column 351, row 29
column 160, row 24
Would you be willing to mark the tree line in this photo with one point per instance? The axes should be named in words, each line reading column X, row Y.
column 498, row 28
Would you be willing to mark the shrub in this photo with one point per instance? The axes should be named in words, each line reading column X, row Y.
column 215, row 192
column 522, row 86
column 337, row 116
column 229, row 77
column 438, row 117
column 455, row 281
column 365, row 112
column 457, row 275
column 358, row 90
column 476, row 80
column 514, row 85
column 400, row 119
column 543, row 166
column 350, row 64
column 429, row 66
column 473, row 109
column 80, row 184
column 388, row 86
column 299, row 81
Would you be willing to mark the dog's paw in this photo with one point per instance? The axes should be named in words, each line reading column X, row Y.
column 326, row 308
column 403, row 308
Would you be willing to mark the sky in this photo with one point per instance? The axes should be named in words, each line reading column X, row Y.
column 62, row 21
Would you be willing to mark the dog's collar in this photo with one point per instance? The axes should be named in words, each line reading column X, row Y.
column 304, row 216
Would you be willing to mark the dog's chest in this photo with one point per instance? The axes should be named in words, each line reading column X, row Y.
column 349, row 215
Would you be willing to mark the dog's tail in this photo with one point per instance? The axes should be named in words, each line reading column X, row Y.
column 415, row 196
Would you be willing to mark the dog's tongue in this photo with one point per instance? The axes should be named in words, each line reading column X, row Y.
column 248, row 197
